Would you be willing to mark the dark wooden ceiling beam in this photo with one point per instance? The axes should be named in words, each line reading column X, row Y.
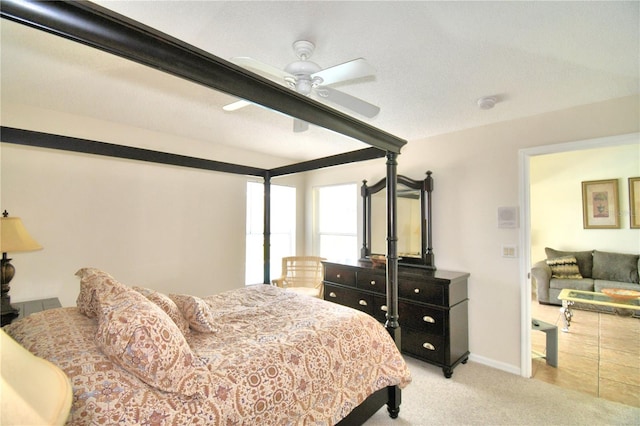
column 101, row 28
column 333, row 160
column 86, row 146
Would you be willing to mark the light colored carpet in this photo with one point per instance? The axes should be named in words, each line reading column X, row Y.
column 481, row 395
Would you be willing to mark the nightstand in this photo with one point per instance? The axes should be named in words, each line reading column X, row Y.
column 32, row 306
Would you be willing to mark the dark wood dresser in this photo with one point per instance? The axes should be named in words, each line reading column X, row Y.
column 432, row 305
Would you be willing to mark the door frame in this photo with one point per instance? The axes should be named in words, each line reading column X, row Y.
column 524, row 157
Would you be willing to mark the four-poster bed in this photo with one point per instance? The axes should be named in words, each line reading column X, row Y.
column 105, row 30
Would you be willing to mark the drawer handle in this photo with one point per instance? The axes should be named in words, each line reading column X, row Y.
column 332, row 294
column 337, row 275
column 362, row 302
column 384, row 308
column 427, row 318
column 372, row 282
column 416, row 290
column 429, row 346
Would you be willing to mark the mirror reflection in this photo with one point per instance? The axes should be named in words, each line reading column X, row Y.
column 408, row 216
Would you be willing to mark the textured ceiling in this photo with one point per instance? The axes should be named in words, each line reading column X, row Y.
column 433, row 61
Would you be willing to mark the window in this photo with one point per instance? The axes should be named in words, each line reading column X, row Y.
column 283, row 229
column 336, row 236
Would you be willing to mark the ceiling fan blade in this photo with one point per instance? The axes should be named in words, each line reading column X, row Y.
column 357, row 68
column 348, row 101
column 236, row 105
column 261, row 68
column 300, row 126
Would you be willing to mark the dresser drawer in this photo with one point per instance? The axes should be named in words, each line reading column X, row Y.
column 379, row 310
column 422, row 318
column 372, row 281
column 423, row 345
column 351, row 298
column 421, row 291
column 340, row 275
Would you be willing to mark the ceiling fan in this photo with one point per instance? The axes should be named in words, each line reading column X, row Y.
column 309, row 79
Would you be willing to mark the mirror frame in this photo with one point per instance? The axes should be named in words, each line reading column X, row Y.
column 425, row 187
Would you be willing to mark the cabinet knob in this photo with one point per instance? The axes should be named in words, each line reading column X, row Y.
column 427, row 318
column 384, row 308
column 332, row 294
column 337, row 275
column 429, row 346
column 373, row 282
column 362, row 302
column 416, row 290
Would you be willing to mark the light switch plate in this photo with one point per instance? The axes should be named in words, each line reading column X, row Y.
column 510, row 251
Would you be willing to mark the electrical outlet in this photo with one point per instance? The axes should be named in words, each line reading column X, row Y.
column 509, row 251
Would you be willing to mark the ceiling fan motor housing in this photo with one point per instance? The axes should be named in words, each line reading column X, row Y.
column 302, row 71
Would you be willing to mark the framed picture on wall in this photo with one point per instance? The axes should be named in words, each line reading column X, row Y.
column 634, row 202
column 600, row 204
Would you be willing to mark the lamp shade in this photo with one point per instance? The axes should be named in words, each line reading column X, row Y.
column 14, row 237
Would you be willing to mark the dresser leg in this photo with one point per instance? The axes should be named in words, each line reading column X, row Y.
column 448, row 372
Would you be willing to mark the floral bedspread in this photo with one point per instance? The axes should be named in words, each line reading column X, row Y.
column 277, row 358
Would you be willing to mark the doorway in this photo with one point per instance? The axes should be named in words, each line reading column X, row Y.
column 525, row 156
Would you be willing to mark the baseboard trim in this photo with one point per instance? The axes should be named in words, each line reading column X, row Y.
column 495, row 364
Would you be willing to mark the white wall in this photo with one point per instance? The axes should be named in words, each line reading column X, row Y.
column 475, row 172
column 556, row 199
column 169, row 228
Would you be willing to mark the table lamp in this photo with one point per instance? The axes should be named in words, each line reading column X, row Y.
column 13, row 238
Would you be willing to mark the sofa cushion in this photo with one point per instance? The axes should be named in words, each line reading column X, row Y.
column 615, row 267
column 584, row 258
column 598, row 285
column 585, row 284
column 565, row 267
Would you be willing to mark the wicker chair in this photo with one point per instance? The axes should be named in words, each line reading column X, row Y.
column 302, row 274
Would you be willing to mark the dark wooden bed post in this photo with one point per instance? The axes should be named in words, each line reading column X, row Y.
column 392, row 325
column 366, row 212
column 428, row 189
column 267, row 229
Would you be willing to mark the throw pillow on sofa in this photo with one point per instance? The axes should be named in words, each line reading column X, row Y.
column 565, row 267
column 584, row 258
column 615, row 267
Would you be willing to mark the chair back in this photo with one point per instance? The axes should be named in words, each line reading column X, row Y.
column 302, row 271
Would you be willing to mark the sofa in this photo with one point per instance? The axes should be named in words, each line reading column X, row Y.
column 583, row 270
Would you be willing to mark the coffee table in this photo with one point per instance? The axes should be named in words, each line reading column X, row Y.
column 569, row 297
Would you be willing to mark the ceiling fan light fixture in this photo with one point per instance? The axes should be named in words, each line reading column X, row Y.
column 487, row 102
column 304, row 86
column 291, row 82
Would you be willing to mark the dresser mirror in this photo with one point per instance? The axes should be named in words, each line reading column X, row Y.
column 413, row 220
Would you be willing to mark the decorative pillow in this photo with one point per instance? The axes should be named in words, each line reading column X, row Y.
column 565, row 268
column 196, row 311
column 615, row 267
column 138, row 336
column 94, row 284
column 167, row 305
column 584, row 258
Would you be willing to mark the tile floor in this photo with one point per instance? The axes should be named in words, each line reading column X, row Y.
column 600, row 355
